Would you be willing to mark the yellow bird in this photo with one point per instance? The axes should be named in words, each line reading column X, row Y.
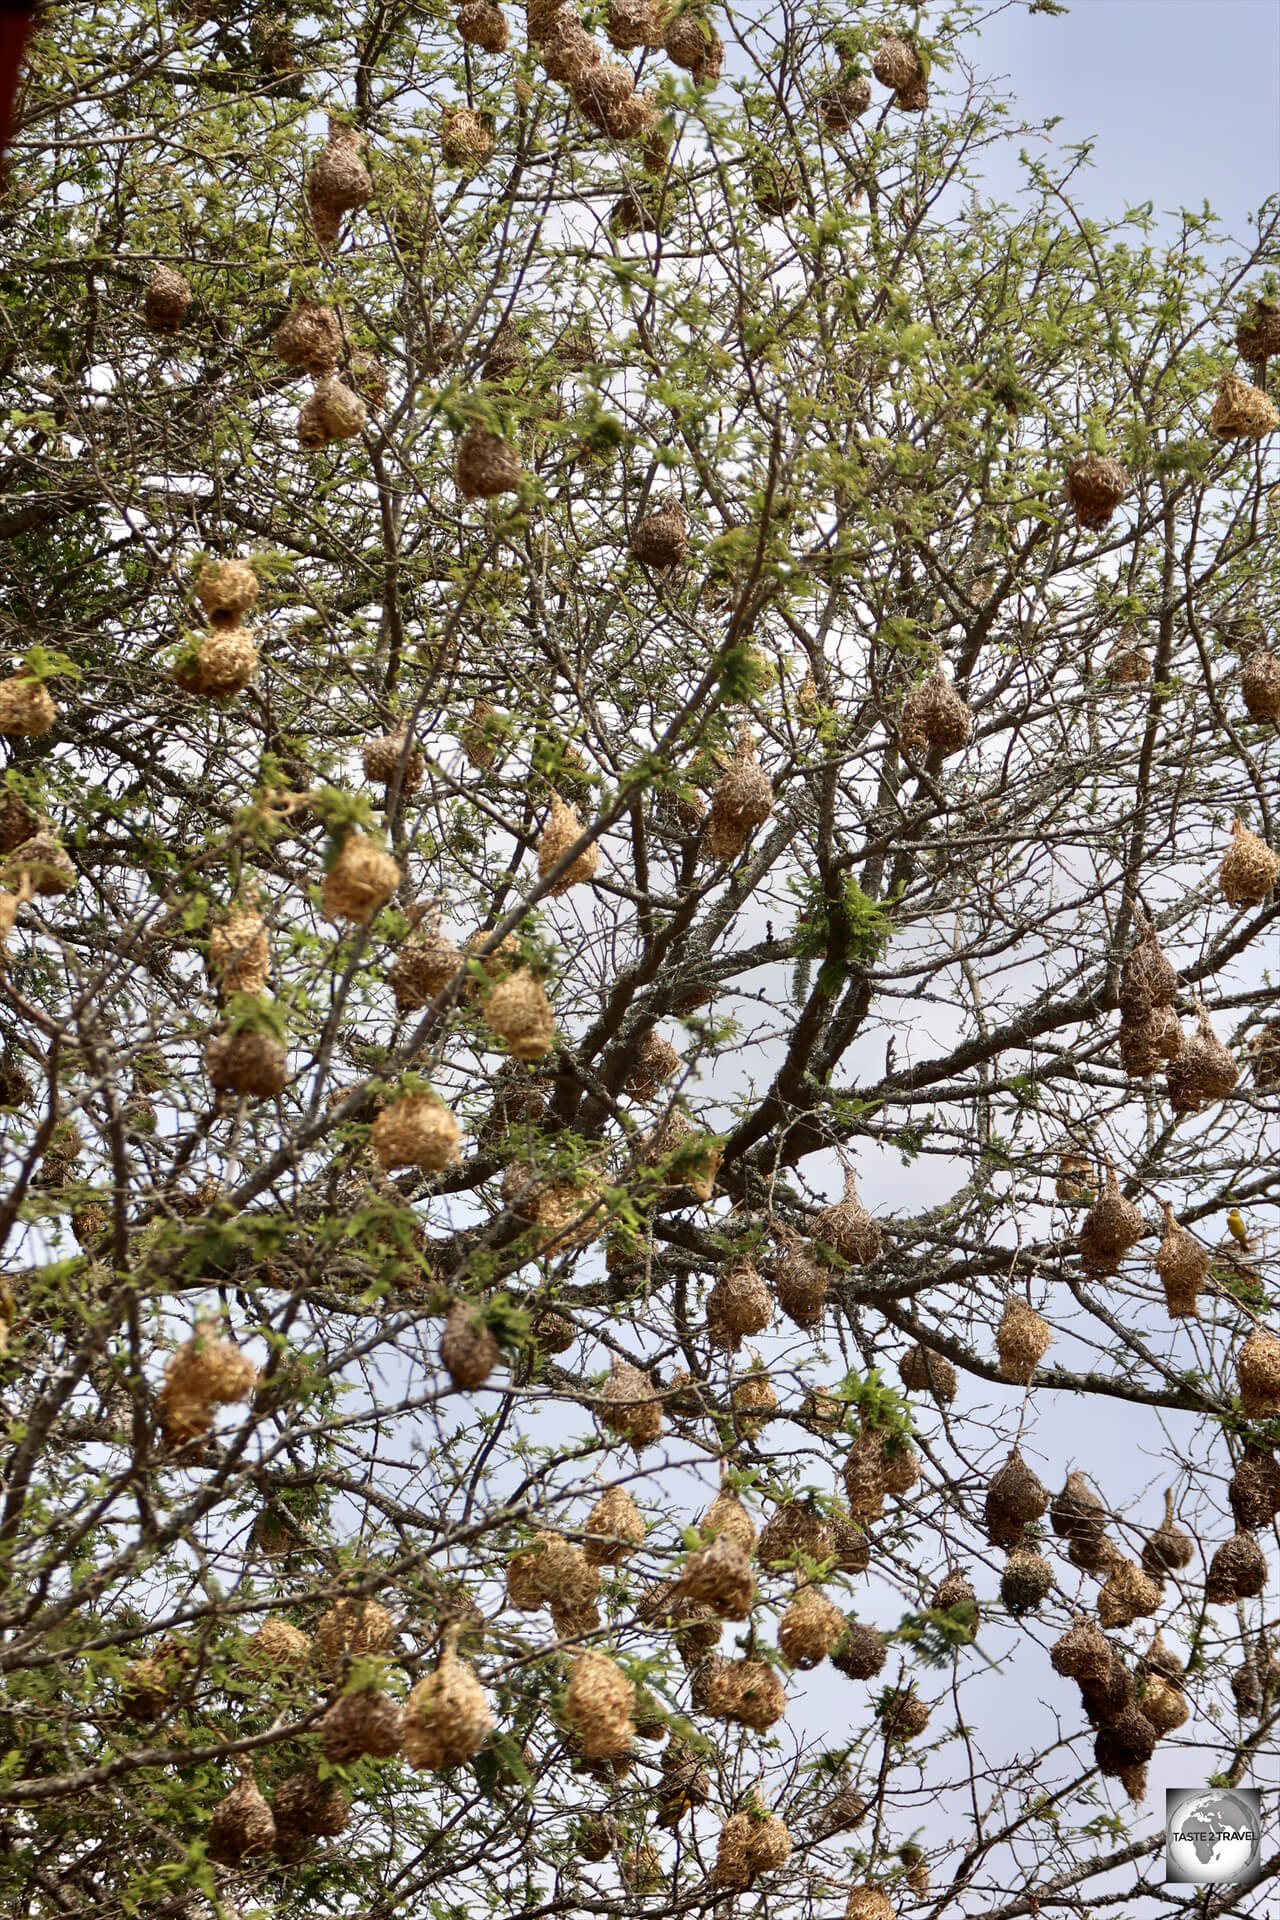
column 1237, row 1228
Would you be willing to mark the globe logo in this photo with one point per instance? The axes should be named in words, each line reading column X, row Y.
column 1212, row 1835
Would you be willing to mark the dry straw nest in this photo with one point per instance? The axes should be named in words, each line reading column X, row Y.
column 1127, row 1594
column 598, row 1705
column 240, row 953
column 519, row 1012
column 616, row 1527
column 656, row 1060
column 1076, row 1513
column 747, row 1692
column 568, row 51
column 447, row 1717
column 847, row 1228
column 561, row 831
column 1128, row 664
column 692, row 43
column 310, row 337
column 1260, row 686
column 1249, row 869
column 796, row 1531
column 391, row 756
column 843, row 102
column 1125, row 1742
column 754, row 1400
column 1015, row 1498
column 247, row 1063
column 1095, row 487
column 809, row 1629
column 486, row 465
column 352, row 1626
column 18, row 821
column 242, row 1823
column 743, row 799
column 1258, row 1374
column 361, row 879
column 751, row 1842
column 482, row 24
column 467, row 138
column 775, row 188
column 869, row 1903
column 205, row 1372
column 1167, row 1549
column 308, row 1808
column 726, row 1515
column 339, row 182
column 165, row 300
column 800, row 1284
column 633, row 24
column 468, row 1350
column 605, row 96
column 629, row 1405
column 1241, row 410
column 865, row 1475
column 26, row 706
column 1254, row 1488
column 719, row 1577
column 552, row 1572
column 422, row 970
column 936, row 717
column 1111, row 1226
column 363, row 1721
column 1022, row 1340
column 923, row 1371
column 860, row 1652
column 1237, row 1571
column 1203, row 1070
column 660, row 539
column 898, row 66
column 1147, row 978
column 277, row 1643
column 1149, row 1041
column 1182, row 1264
column 1026, row 1581
column 1082, row 1654
column 334, row 412
column 953, row 1590
column 738, row 1305
column 1258, row 333
column 903, row 1714
column 415, row 1131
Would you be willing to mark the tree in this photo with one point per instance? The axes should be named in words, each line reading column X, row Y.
column 589, row 660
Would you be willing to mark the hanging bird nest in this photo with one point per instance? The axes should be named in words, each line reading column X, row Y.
column 18, row 821
column 480, row 735
column 869, row 1903
column 1127, row 1594
column 1111, row 1226
column 1128, row 664
column 753, row 1401
column 1182, row 1264
column 339, row 183
column 845, row 101
column 506, row 353
column 860, row 1652
column 352, row 1627
column 901, row 1467
column 391, row 756
column 361, row 879
column 616, row 1526
column 26, row 707
column 209, row 1371
column 1204, row 1070
column 1258, row 333
column 363, row 1721
column 568, row 51
column 1241, row 411
column 1095, row 487
column 468, row 1350
column 165, row 300
column 1264, row 1053
column 1015, row 1498
column 1125, row 1742
column 897, row 65
column 660, row 539
column 632, row 24
column 467, row 140
column 738, row 1305
column 487, row 465
column 1083, row 1654
column 775, row 188
column 1249, row 869
column 305, row 1807
column 605, row 96
column 903, row 1715
column 654, row 1063
column 1260, row 686
column 726, row 1515
column 809, row 1629
column 935, row 717
column 1147, row 979
column 221, row 665
column 247, row 1062
column 240, row 953
column 333, row 412
column 310, row 337
column 1148, row 1042
column 242, row 1824
column 519, row 1012
column 1237, row 1571
column 1168, row 1548
column 417, row 1130
column 719, row 1577
column 561, row 831
column 482, row 24
column 743, row 799
column 954, row 1590
column 552, row 1572
column 1026, row 1581
column 277, row 1643
column 1258, row 1374
column 1022, row 1340
column 751, row 1842
column 801, row 1284
column 598, row 1705
column 796, row 1532
column 370, row 379
column 447, row 1717
column 922, row 1371
column 747, row 1692
column 1254, row 1488
column 422, row 970
column 865, row 1475
column 847, row 1228
column 691, row 42
column 629, row 1405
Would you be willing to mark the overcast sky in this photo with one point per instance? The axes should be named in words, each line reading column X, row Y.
column 1182, row 96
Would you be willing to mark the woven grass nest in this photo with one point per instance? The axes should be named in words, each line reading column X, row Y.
column 922, row 1371
column 338, row 183
column 629, row 1405
column 796, row 1531
column 747, row 1692
column 1022, row 1340
column 519, row 1012
column 1258, row 333
column 1168, row 1549
column 654, row 1063
column 222, row 665
column 1095, row 487
column 660, row 538
column 616, row 1526
column 1258, row 1375
column 845, row 101
column 1128, row 664
column 310, row 337
column 366, row 1721
column 738, row 1305
column 598, row 1707
column 447, row 1717
column 1241, row 410
column 692, row 43
column 423, row 969
column 551, row 1573
column 334, row 412
column 800, row 1284
column 897, row 65
column 1026, row 1581
column 352, row 1626
column 1182, row 1265
column 1237, row 1571
column 1015, row 1498
column 563, row 828
column 1249, row 868
column 361, row 879
column 810, row 1629
column 1127, row 1594
column 482, row 24
column 936, row 717
column 632, row 24
column 242, row 1823
column 742, row 801
column 605, row 96
column 468, row 1350
column 467, row 138
column 26, row 707
column 751, row 1842
column 1111, row 1226
column 847, row 1228
column 248, row 1063
column 860, row 1652
column 205, row 1372
column 390, row 756
column 720, row 1577
column 487, row 465
column 165, row 300
column 305, row 1808
column 1260, row 686
column 869, row 1903
column 1254, row 1488
column 1203, row 1070
column 239, row 959
column 1147, row 978
column 417, row 1130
